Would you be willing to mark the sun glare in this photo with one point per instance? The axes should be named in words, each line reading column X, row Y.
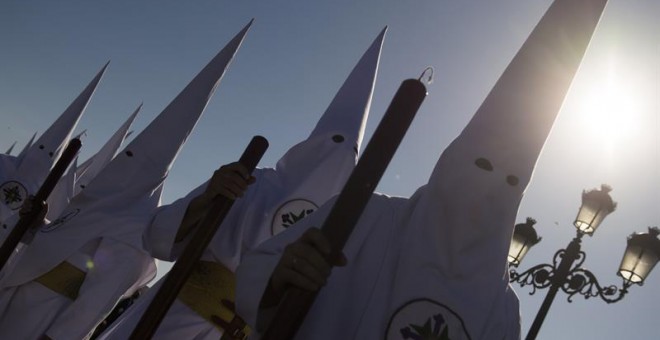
column 610, row 109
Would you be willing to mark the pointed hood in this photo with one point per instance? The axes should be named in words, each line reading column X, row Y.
column 478, row 183
column 307, row 176
column 24, row 152
column 11, row 148
column 91, row 167
column 120, row 201
column 34, row 163
column 46, row 150
column 62, row 193
column 513, row 122
column 145, row 162
column 349, row 108
column 344, row 120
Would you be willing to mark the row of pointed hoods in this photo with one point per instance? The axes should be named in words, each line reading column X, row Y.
column 31, row 166
column 127, row 187
column 498, row 162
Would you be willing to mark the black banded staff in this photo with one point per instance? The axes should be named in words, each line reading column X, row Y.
column 434, row 265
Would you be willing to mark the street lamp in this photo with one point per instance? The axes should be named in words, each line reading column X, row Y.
column 596, row 205
column 566, row 272
column 524, row 238
column 642, row 253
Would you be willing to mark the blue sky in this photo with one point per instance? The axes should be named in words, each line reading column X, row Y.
column 296, row 56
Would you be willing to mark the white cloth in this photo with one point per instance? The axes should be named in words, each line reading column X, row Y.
column 34, row 163
column 435, row 264
column 84, row 220
column 394, row 260
column 114, row 270
column 248, row 223
column 12, row 193
column 86, row 172
column 305, row 177
column 61, row 195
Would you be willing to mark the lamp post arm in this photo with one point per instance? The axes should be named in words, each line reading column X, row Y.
column 582, row 281
column 538, row 277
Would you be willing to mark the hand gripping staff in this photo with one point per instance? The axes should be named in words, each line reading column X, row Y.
column 183, row 267
column 353, row 199
column 24, row 223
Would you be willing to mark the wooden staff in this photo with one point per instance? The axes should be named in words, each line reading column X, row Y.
column 183, row 267
column 24, row 223
column 353, row 199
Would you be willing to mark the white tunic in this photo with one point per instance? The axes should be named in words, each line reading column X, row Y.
column 435, row 265
column 305, row 177
column 249, row 222
column 114, row 270
column 400, row 273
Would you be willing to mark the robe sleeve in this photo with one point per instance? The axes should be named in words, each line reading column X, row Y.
column 118, row 271
column 160, row 235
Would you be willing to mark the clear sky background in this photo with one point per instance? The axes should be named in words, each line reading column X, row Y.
column 296, row 56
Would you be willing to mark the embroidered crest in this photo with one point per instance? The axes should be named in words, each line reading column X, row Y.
column 13, row 194
column 290, row 213
column 425, row 319
column 67, row 216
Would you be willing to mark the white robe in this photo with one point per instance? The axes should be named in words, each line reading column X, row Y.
column 114, row 270
column 398, row 255
column 305, row 177
column 435, row 265
column 248, row 223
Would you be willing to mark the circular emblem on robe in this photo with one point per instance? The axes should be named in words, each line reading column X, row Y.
column 66, row 217
column 425, row 319
column 12, row 194
column 290, row 213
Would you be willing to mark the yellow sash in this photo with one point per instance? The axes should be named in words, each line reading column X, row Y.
column 65, row 279
column 210, row 291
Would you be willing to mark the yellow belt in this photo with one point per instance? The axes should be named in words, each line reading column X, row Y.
column 65, row 279
column 210, row 292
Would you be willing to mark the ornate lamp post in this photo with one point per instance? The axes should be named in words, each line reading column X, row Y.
column 566, row 273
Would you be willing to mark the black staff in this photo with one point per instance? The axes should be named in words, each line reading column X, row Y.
column 183, row 267
column 46, row 188
column 353, row 199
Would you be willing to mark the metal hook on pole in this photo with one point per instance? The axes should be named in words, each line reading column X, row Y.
column 430, row 71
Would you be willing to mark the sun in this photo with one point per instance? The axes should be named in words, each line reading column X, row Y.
column 610, row 108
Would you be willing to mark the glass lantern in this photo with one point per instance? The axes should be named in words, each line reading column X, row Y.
column 642, row 253
column 524, row 237
column 596, row 205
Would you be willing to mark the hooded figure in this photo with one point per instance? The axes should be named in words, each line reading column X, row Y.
column 434, row 266
column 79, row 176
column 25, row 173
column 307, row 175
column 78, row 266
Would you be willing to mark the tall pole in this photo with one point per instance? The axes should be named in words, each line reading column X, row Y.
column 25, row 222
column 559, row 278
column 352, row 200
column 180, row 272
